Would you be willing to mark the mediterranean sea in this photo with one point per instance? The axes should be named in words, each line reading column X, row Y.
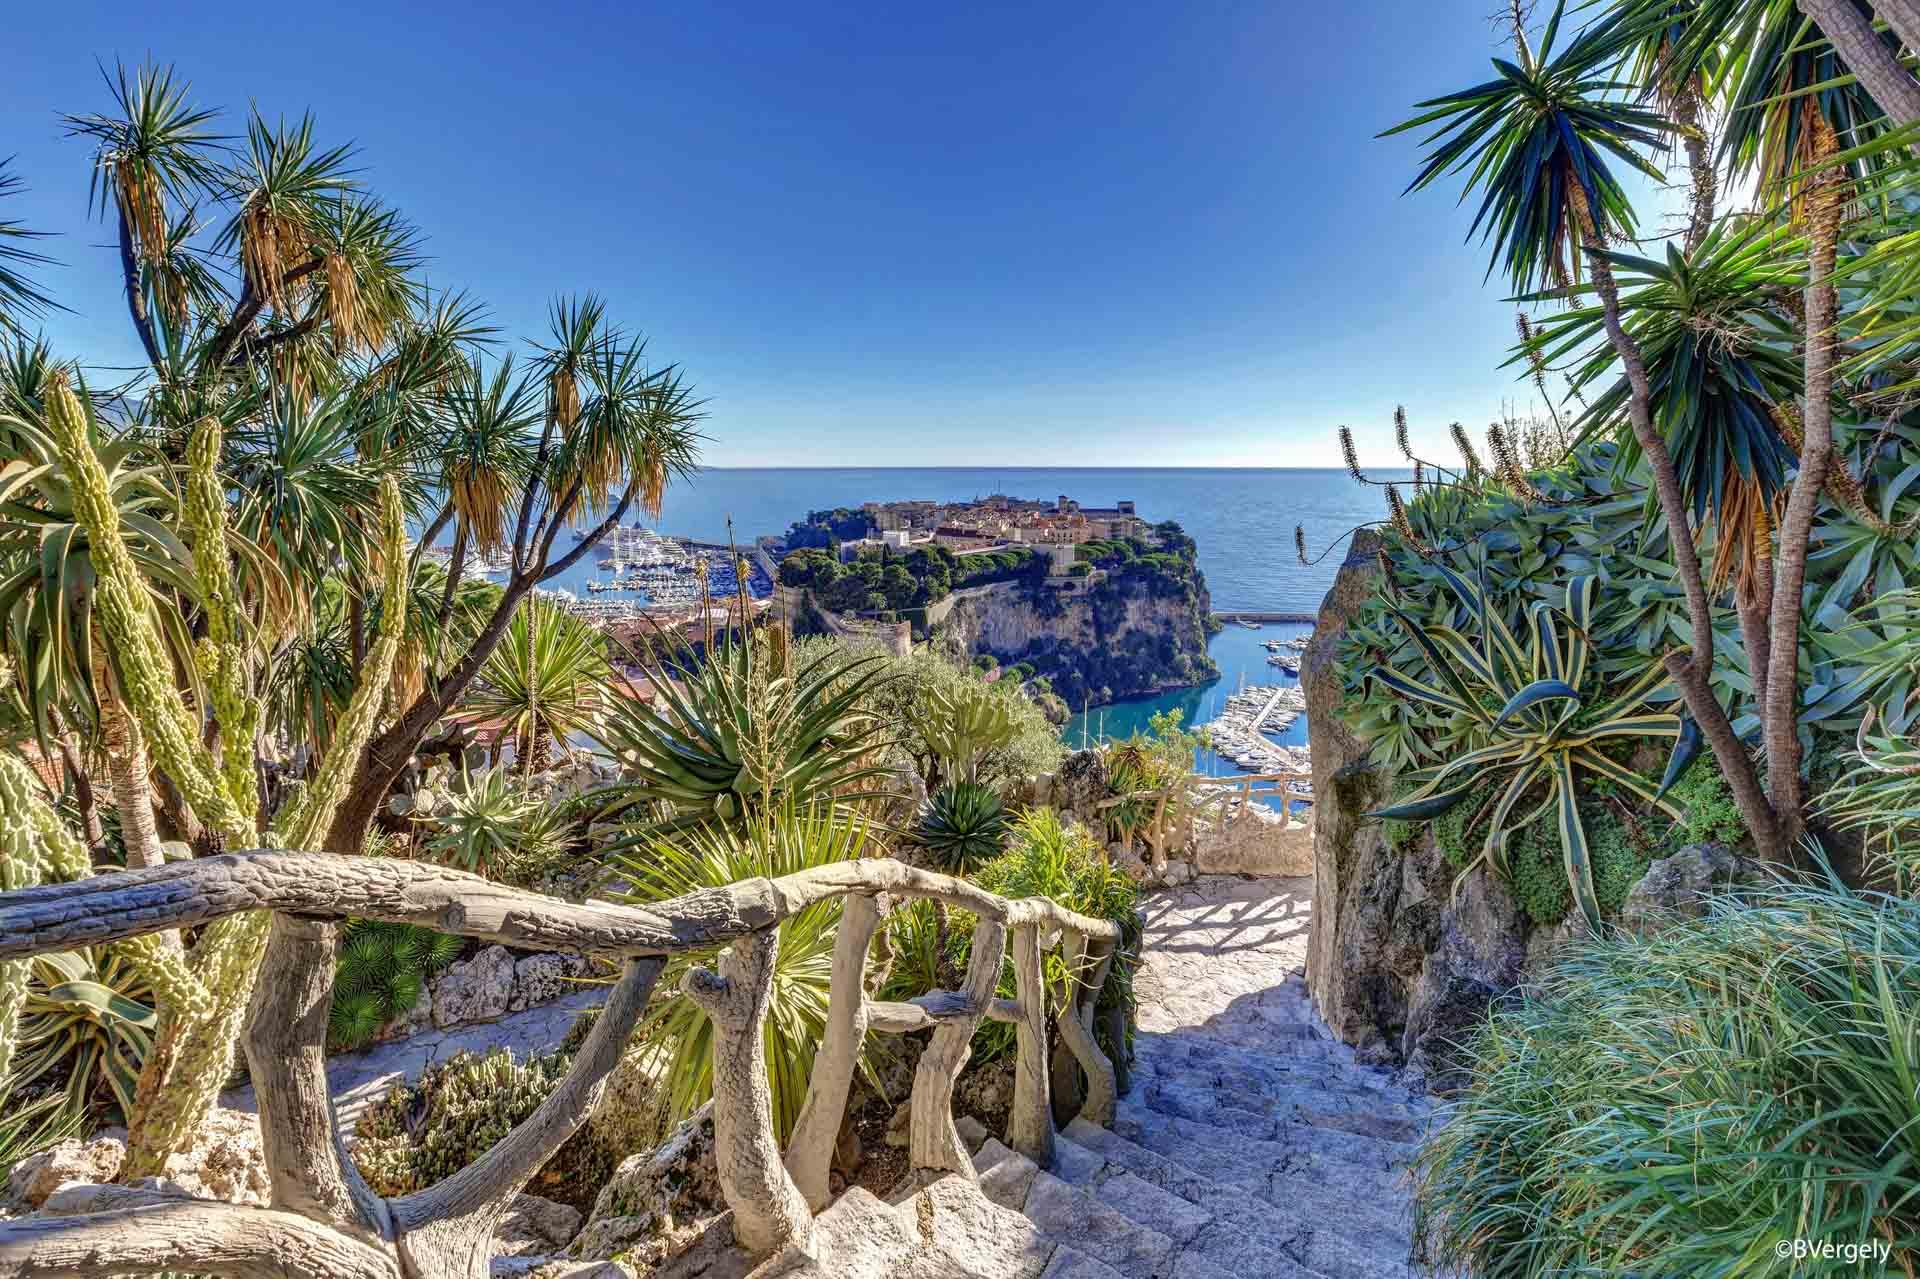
column 1242, row 520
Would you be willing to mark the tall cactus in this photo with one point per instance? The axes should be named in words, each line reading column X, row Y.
column 204, row 996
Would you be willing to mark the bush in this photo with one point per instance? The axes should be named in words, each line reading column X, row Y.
column 1680, row 1105
column 1712, row 816
column 1046, row 857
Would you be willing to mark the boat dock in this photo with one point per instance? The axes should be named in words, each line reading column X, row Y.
column 1256, row 619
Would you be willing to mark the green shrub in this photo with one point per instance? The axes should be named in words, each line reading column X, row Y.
column 1683, row 1104
column 676, row 1035
column 381, row 973
column 1539, row 882
column 1711, row 814
column 1045, row 857
column 493, row 824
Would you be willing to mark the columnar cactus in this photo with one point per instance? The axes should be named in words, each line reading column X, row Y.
column 204, row 995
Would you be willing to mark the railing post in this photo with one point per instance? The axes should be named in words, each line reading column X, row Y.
column 768, row 1210
column 935, row 1143
column 1030, row 1123
column 1104, row 1074
column 817, row 1131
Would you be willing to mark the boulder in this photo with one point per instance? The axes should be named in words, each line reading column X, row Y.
column 1481, row 955
column 477, row 989
column 535, row 1227
column 542, row 977
column 1178, row 871
column 645, row 1210
column 226, row 1162
column 1125, row 858
column 1677, row 887
column 66, row 1163
column 1080, row 784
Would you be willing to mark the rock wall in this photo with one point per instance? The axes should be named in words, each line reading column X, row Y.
column 1123, row 638
column 1400, row 961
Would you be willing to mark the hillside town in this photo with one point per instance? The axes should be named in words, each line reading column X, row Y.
column 999, row 520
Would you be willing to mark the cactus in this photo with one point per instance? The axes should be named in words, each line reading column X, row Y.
column 204, row 995
column 962, row 726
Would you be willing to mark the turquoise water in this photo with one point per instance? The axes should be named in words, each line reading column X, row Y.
column 1242, row 660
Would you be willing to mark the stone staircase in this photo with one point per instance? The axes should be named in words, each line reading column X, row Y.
column 1249, row 1145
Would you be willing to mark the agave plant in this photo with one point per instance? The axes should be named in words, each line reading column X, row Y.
column 490, row 822
column 736, row 736
column 676, row 1034
column 544, row 684
column 90, row 1014
column 1525, row 695
column 962, row 824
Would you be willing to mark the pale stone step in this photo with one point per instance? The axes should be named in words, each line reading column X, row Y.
column 1259, row 1113
column 1301, row 1202
column 1071, row 1263
column 1071, row 1215
column 1248, row 1235
column 858, row 1237
column 1219, row 1060
column 1288, row 1146
column 1182, row 1050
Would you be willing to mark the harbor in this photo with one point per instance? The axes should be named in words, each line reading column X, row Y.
column 1238, row 733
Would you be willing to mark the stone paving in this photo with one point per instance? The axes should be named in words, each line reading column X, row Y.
column 357, row 1080
column 1219, row 947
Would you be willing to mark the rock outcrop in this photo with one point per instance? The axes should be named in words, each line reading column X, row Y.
column 1400, row 962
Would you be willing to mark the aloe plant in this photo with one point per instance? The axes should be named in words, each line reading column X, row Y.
column 1522, row 693
column 89, row 1014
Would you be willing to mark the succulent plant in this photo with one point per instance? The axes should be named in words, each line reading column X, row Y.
column 962, row 825
column 961, row 724
column 382, row 974
column 88, row 1013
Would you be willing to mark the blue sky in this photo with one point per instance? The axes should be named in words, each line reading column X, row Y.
column 1125, row 234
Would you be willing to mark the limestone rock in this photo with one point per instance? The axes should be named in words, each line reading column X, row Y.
column 535, row 1227
column 1080, row 785
column 65, row 1163
column 539, row 978
column 1677, row 887
column 226, row 1160
column 653, row 1198
column 478, row 989
column 1127, row 860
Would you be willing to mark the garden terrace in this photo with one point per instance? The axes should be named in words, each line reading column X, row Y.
column 325, row 1221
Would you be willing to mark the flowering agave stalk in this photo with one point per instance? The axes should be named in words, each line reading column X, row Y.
column 1525, row 692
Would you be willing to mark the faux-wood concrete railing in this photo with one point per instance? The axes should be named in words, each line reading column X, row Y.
column 325, row 1221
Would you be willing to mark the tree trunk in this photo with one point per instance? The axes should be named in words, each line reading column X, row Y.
column 1904, row 17
column 1690, row 672
column 1705, row 184
column 130, row 770
column 74, row 762
column 1867, row 56
column 1823, row 202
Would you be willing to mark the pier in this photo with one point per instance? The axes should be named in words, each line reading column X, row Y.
column 1304, row 619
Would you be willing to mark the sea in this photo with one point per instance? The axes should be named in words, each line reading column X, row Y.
column 1242, row 520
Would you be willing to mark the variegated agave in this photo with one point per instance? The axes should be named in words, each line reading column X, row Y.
column 1524, row 694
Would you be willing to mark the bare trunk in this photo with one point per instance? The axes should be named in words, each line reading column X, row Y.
column 1868, row 57
column 1904, row 17
column 1690, row 670
column 129, row 769
column 72, row 760
column 1823, row 200
column 1705, row 184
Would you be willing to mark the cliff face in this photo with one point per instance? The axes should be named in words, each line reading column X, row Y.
column 1129, row 634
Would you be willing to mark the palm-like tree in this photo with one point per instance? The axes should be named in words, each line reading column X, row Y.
column 544, row 684
column 20, row 297
column 1536, row 142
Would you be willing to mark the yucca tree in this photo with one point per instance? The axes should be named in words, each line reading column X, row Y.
column 20, row 298
column 546, row 682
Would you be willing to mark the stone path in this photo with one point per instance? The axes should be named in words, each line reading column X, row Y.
column 357, row 1080
column 1250, row 1143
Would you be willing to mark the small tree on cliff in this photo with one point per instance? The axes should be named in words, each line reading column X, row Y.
column 1537, row 143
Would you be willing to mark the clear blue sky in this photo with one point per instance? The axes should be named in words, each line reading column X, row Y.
column 884, row 234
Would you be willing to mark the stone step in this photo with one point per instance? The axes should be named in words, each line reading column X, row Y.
column 1310, row 1192
column 1249, row 1234
column 1071, row 1215
column 1278, row 1141
column 1249, row 1105
column 1278, row 1060
column 1071, row 1263
column 859, row 1236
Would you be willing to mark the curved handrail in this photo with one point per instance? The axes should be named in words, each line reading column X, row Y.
column 773, row 1195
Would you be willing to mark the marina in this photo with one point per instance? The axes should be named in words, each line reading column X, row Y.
column 1238, row 732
